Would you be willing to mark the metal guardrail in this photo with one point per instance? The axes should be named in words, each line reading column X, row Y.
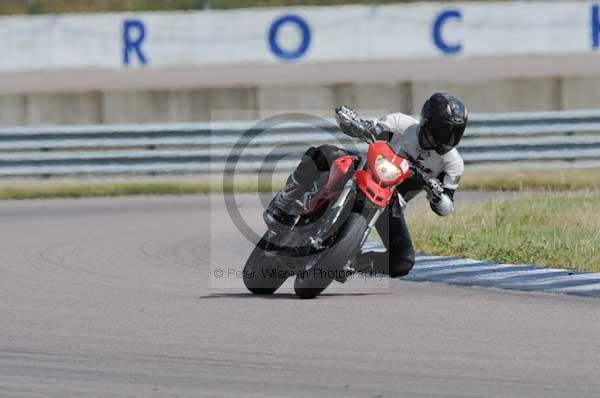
column 247, row 147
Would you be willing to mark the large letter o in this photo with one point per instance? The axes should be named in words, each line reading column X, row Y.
column 304, row 44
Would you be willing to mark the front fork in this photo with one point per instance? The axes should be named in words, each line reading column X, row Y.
column 376, row 213
column 372, row 213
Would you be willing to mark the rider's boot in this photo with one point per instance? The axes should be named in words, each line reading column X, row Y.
column 363, row 262
column 292, row 200
column 289, row 202
column 380, row 263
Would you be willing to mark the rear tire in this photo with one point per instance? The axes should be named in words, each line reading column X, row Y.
column 261, row 274
column 309, row 284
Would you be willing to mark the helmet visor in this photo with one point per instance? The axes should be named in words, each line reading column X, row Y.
column 442, row 137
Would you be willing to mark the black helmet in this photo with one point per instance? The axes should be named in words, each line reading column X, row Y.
column 443, row 122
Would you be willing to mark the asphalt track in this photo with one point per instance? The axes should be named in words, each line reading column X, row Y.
column 113, row 297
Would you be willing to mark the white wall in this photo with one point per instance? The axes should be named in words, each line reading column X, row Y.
column 337, row 34
column 497, row 56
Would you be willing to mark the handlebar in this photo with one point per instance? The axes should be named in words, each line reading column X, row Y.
column 363, row 130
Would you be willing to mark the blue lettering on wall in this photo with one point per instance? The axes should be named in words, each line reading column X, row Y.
column 595, row 26
column 447, row 48
column 304, row 29
column 134, row 33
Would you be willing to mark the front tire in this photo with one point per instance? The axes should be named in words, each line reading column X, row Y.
column 261, row 274
column 309, row 284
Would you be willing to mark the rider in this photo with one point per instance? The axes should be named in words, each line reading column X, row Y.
column 429, row 142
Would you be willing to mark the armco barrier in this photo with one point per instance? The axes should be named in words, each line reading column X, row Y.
column 214, row 148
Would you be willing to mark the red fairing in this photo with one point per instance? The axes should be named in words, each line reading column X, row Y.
column 376, row 189
column 340, row 167
column 377, row 194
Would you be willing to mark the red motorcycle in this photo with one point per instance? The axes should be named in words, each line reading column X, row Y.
column 319, row 246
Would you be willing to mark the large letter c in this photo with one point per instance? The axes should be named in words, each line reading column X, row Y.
column 439, row 22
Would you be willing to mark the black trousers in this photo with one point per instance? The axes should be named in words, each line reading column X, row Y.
column 400, row 256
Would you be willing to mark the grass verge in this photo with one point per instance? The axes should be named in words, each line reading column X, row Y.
column 47, row 190
column 556, row 230
column 479, row 180
column 65, row 6
column 531, row 180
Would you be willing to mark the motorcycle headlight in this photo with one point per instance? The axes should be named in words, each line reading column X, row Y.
column 386, row 170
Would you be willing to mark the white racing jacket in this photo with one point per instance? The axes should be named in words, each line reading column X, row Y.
column 448, row 168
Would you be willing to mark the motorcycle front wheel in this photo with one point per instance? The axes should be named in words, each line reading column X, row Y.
column 262, row 274
column 310, row 283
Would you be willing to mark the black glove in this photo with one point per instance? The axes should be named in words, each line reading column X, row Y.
column 351, row 124
column 434, row 190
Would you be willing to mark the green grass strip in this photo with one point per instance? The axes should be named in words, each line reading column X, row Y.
column 482, row 180
column 67, row 6
column 82, row 190
column 531, row 180
column 554, row 230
